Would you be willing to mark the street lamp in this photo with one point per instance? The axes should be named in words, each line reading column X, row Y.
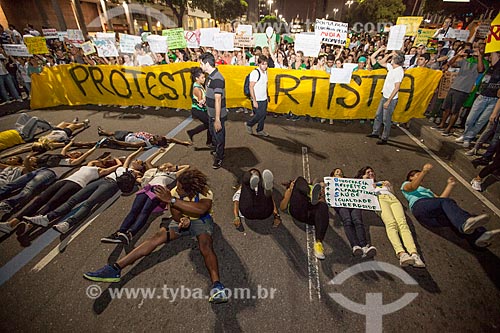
column 335, row 10
column 349, row 3
column 270, row 3
column 327, row 16
column 281, row 17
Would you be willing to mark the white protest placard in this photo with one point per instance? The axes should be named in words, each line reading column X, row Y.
column 349, row 65
column 224, row 41
column 396, row 37
column 157, row 44
column 461, row 35
column 244, row 29
column 88, row 48
column 341, row 75
column 16, row 50
column 128, row 43
column 62, row 35
column 75, row 36
column 106, row 35
column 244, row 41
column 50, row 33
column 192, row 39
column 351, row 193
column 407, row 60
column 309, row 44
column 105, row 48
column 331, row 32
column 207, row 36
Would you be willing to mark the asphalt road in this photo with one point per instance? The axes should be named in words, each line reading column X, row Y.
column 459, row 291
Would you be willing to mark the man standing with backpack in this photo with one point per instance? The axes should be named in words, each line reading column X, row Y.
column 259, row 96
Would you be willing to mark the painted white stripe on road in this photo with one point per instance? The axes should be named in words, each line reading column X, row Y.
column 312, row 261
column 464, row 182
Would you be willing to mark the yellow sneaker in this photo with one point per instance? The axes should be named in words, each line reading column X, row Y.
column 319, row 252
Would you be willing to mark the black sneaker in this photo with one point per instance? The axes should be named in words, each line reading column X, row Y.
column 217, row 164
column 372, row 135
column 113, row 238
column 124, row 238
column 382, row 142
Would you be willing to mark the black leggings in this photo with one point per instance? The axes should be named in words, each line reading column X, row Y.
column 301, row 209
column 495, row 165
column 54, row 196
column 203, row 117
column 254, row 206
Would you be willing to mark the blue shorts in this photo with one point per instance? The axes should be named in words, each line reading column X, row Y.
column 196, row 228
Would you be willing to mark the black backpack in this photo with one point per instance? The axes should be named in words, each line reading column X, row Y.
column 246, row 86
column 126, row 181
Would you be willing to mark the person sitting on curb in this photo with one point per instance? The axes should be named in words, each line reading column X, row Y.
column 429, row 209
column 146, row 202
column 190, row 203
column 254, row 200
column 352, row 220
column 306, row 204
column 129, row 139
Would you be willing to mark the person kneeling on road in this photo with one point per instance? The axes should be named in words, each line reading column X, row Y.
column 190, row 203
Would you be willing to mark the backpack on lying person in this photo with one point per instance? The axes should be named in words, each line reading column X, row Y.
column 126, row 181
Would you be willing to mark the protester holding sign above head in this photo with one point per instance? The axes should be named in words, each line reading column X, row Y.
column 389, row 99
column 393, row 216
column 141, row 57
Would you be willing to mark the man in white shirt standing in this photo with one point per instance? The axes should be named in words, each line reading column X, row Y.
column 389, row 96
column 258, row 93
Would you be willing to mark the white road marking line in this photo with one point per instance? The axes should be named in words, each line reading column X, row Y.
column 464, row 182
column 312, row 261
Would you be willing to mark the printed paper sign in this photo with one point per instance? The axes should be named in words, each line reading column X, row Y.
column 245, row 30
column 62, row 35
column 331, row 32
column 350, row 65
column 106, row 48
column 36, row 45
column 243, row 41
column 175, row 38
column 192, row 39
column 341, row 75
column 88, row 48
column 106, row 35
column 461, row 35
column 75, row 36
column 207, row 36
column 412, row 23
column 49, row 33
column 423, row 36
column 351, row 193
column 16, row 50
column 224, row 41
column 128, row 43
column 407, row 60
column 309, row 44
column 157, row 44
column 396, row 37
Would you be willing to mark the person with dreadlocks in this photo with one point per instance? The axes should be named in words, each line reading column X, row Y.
column 190, row 204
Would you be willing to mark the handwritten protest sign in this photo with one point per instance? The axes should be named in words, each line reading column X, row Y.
column 128, row 43
column 411, row 22
column 396, row 37
column 36, row 45
column 175, row 38
column 49, row 33
column 62, row 35
column 207, row 36
column 445, row 84
column 106, row 48
column 351, row 193
column 88, row 48
column 243, row 41
column 106, row 35
column 309, row 44
column 244, row 29
column 423, row 36
column 158, row 44
column 192, row 39
column 331, row 32
column 75, row 36
column 224, row 41
column 461, row 35
column 16, row 50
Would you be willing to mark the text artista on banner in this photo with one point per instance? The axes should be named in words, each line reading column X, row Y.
column 302, row 92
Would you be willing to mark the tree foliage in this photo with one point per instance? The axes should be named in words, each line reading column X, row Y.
column 376, row 11
column 227, row 10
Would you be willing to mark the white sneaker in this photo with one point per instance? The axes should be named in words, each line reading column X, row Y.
column 62, row 227
column 357, row 251
column 466, row 144
column 40, row 220
column 476, row 184
column 475, row 222
column 5, row 227
column 417, row 261
column 254, row 182
column 405, row 260
column 471, row 152
column 249, row 129
column 460, row 139
column 267, row 179
column 487, row 238
column 86, row 123
column 261, row 133
column 369, row 251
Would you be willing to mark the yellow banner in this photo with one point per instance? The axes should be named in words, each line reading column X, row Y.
column 423, row 36
column 302, row 92
column 493, row 40
column 36, row 45
column 412, row 23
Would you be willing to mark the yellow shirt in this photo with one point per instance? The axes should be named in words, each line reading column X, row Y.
column 9, row 139
column 209, row 196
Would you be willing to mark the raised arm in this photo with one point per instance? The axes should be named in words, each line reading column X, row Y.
column 132, row 156
column 181, row 169
column 150, row 159
column 286, row 197
column 104, row 172
column 449, row 187
column 415, row 183
column 82, row 158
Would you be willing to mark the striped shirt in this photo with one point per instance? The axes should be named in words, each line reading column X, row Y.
column 216, row 85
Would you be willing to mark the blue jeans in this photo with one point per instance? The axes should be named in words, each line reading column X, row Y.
column 479, row 116
column 7, row 82
column 218, row 138
column 91, row 195
column 384, row 116
column 27, row 126
column 141, row 209
column 354, row 228
column 259, row 117
column 431, row 211
column 31, row 184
